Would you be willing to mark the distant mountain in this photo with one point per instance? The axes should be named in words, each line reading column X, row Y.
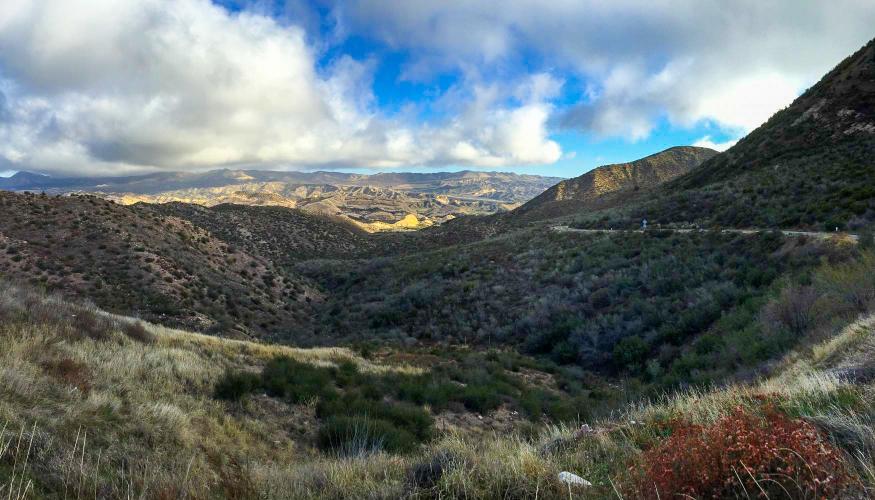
column 385, row 201
column 21, row 180
column 589, row 189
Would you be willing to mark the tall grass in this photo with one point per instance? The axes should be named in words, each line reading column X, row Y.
column 128, row 419
column 18, row 485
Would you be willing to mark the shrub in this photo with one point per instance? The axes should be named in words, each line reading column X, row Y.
column 233, row 386
column 480, row 398
column 742, row 454
column 70, row 372
column 297, row 382
column 354, row 436
column 137, row 331
column 867, row 239
column 630, row 353
column 424, row 389
column 88, row 323
column 850, row 283
column 426, row 474
column 405, row 416
column 794, row 309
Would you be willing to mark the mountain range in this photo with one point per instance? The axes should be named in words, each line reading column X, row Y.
column 385, row 201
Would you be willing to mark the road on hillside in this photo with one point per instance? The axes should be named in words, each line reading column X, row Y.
column 811, row 234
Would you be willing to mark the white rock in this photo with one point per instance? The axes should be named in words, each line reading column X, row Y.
column 573, row 479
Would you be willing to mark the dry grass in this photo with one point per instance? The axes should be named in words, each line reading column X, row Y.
column 107, row 415
column 139, row 416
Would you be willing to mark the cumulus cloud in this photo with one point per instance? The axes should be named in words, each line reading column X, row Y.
column 733, row 63
column 120, row 86
column 185, row 84
column 706, row 142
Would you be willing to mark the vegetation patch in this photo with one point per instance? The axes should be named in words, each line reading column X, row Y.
column 473, row 382
column 356, row 436
column 743, row 455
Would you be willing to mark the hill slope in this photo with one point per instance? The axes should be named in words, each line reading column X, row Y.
column 159, row 266
column 283, row 235
column 833, row 119
column 588, row 189
column 94, row 403
column 811, row 166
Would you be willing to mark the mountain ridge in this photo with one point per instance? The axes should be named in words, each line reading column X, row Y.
column 644, row 173
column 388, row 201
column 808, row 167
column 838, row 110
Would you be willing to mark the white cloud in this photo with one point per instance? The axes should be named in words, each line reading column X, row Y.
column 116, row 86
column 120, row 86
column 706, row 142
column 733, row 63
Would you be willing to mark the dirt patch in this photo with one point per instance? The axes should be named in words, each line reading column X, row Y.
column 501, row 420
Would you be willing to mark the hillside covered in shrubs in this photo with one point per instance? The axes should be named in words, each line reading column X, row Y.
column 162, row 268
column 809, row 166
column 152, row 412
column 668, row 307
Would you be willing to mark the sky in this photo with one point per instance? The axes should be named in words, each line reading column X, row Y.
column 120, row 87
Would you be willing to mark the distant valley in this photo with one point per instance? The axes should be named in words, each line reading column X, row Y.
column 380, row 202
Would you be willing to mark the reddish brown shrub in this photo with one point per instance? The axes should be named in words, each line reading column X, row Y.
column 70, row 372
column 742, row 455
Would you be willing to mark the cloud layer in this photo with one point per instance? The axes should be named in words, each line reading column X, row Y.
column 120, row 86
column 733, row 63
column 182, row 83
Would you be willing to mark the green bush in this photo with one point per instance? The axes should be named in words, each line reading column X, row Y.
column 408, row 417
column 425, row 389
column 233, row 386
column 630, row 353
column 297, row 382
column 480, row 398
column 355, row 436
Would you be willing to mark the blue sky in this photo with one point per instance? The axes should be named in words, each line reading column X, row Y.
column 116, row 87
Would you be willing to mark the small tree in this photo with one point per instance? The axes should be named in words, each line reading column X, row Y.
column 630, row 353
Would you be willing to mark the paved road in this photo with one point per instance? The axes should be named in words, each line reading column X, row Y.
column 811, row 234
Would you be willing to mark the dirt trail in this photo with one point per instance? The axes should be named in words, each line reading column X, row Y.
column 811, row 234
